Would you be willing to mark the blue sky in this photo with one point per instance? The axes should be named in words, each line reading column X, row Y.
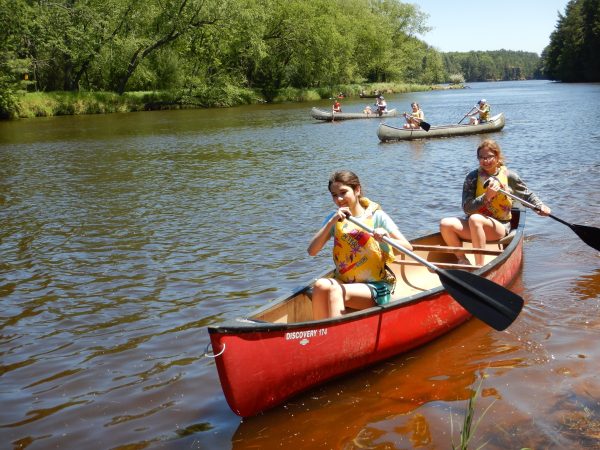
column 460, row 26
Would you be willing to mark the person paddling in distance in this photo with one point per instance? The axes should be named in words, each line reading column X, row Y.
column 414, row 119
column 488, row 211
column 381, row 105
column 483, row 110
column 361, row 278
column 337, row 107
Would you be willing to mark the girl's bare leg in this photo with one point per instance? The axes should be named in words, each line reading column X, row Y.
column 484, row 229
column 330, row 297
column 453, row 230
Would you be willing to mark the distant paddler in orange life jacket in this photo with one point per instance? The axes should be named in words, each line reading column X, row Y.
column 488, row 211
column 361, row 278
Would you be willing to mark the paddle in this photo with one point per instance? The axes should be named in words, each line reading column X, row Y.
column 467, row 114
column 486, row 300
column 426, row 126
column 589, row 235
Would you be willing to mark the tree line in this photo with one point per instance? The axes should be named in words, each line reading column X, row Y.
column 204, row 51
column 572, row 55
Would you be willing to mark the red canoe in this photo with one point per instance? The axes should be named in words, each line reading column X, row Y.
column 279, row 351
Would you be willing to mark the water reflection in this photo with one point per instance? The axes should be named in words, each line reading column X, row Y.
column 377, row 406
column 587, row 286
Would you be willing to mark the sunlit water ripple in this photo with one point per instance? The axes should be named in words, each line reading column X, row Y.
column 123, row 236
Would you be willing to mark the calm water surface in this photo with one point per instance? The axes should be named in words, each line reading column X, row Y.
column 123, row 236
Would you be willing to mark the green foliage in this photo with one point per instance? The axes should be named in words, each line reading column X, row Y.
column 456, row 78
column 40, row 104
column 572, row 54
column 223, row 52
column 8, row 98
column 218, row 96
column 493, row 65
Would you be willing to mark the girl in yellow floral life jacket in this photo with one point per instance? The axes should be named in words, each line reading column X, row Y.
column 361, row 278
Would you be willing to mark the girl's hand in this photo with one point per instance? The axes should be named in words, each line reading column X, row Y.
column 492, row 188
column 341, row 214
column 379, row 234
column 544, row 211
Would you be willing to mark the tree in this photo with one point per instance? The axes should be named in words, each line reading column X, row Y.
column 574, row 45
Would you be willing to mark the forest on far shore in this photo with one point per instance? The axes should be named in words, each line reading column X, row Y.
column 226, row 52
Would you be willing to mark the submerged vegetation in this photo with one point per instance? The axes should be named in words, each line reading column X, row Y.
column 469, row 428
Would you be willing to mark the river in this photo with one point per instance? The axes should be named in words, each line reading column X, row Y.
column 123, row 236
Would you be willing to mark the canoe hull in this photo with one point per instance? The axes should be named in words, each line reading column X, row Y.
column 261, row 364
column 321, row 114
column 387, row 132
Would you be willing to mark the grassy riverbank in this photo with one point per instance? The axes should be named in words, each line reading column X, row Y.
column 46, row 104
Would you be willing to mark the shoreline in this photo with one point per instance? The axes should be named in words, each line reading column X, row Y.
column 49, row 104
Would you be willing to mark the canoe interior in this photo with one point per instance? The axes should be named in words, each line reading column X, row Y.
column 411, row 277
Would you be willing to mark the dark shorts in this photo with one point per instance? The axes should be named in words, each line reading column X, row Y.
column 381, row 291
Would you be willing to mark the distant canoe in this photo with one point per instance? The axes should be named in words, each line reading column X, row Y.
column 390, row 133
column 321, row 114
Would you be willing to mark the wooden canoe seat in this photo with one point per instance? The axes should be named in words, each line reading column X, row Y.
column 508, row 238
column 447, row 249
column 441, row 265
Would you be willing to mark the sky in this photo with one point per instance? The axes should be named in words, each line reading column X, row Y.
column 461, row 26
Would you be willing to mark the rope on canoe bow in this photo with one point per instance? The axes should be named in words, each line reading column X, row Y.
column 207, row 355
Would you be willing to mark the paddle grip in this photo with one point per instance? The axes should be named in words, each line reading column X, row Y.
column 514, row 197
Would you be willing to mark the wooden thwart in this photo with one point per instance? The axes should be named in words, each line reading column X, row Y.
column 406, row 262
column 446, row 249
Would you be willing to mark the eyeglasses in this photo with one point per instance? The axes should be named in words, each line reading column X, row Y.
column 486, row 158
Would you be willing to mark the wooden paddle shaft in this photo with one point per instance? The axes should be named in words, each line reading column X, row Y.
column 393, row 244
column 526, row 203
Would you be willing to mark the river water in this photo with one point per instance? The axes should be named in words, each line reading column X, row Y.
column 122, row 237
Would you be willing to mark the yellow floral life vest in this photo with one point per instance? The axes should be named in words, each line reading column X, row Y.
column 485, row 113
column 500, row 206
column 357, row 255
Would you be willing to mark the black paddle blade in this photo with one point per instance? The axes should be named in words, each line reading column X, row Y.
column 589, row 235
column 425, row 126
column 486, row 300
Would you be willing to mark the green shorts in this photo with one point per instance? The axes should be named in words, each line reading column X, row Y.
column 381, row 291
